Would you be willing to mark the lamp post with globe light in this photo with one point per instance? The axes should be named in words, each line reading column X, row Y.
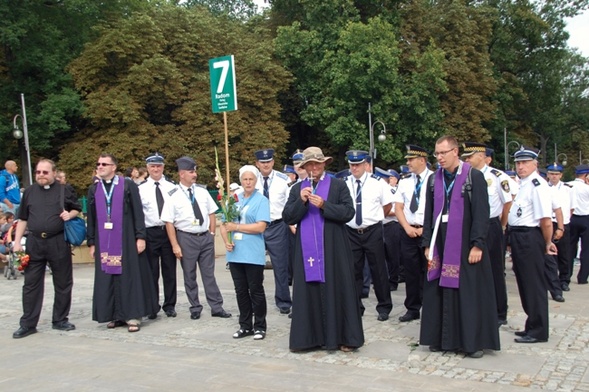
column 381, row 138
column 18, row 134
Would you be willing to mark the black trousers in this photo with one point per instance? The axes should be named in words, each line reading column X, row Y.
column 159, row 252
column 369, row 245
column 527, row 252
column 551, row 270
column 496, row 246
column 415, row 264
column 579, row 229
column 564, row 254
column 58, row 254
column 251, row 298
column 392, row 248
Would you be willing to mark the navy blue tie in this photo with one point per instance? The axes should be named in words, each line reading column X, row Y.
column 359, row 204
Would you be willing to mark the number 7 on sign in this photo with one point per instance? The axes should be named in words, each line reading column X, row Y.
column 224, row 71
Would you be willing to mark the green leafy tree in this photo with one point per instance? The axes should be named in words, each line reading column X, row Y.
column 145, row 83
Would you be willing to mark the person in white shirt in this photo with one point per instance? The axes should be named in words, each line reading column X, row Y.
column 580, row 221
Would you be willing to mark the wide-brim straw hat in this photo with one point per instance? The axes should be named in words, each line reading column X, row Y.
column 314, row 154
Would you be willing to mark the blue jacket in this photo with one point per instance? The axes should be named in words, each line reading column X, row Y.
column 9, row 187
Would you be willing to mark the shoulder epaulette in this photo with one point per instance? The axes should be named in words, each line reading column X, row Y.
column 536, row 182
column 378, row 178
column 282, row 176
column 292, row 183
column 496, row 172
column 171, row 192
column 201, row 186
column 345, row 178
column 393, row 190
column 566, row 184
column 142, row 182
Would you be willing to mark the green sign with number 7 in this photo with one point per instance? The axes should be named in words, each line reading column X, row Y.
column 223, row 90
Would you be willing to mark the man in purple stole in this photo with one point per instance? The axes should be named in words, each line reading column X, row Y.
column 459, row 309
column 326, row 306
column 123, row 287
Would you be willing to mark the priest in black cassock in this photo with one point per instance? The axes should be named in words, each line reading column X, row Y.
column 326, row 307
column 123, row 287
column 459, row 310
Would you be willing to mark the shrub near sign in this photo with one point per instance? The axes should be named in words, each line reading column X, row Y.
column 223, row 90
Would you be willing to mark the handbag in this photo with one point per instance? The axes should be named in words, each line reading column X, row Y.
column 74, row 229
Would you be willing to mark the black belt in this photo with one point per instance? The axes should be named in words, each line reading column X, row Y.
column 389, row 223
column 157, row 227
column 363, row 230
column 274, row 222
column 195, row 234
column 523, row 229
column 45, row 235
column 417, row 226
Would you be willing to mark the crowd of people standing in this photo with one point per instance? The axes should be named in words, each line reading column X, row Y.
column 443, row 232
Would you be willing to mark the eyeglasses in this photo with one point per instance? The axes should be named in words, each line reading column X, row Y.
column 98, row 164
column 442, row 154
column 44, row 172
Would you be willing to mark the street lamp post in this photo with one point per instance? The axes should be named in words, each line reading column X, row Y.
column 18, row 134
column 507, row 152
column 381, row 138
column 563, row 161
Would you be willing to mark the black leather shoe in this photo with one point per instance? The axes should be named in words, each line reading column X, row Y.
column 521, row 333
column 171, row 313
column 408, row 317
column 435, row 349
column 284, row 310
column 152, row 316
column 558, row 298
column 565, row 287
column 476, row 354
column 222, row 314
column 528, row 339
column 24, row 332
column 195, row 315
column 382, row 317
column 64, row 326
column 501, row 322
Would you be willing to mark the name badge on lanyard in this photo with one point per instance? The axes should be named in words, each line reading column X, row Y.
column 108, row 225
column 108, row 195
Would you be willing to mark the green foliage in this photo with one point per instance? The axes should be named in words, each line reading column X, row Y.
column 145, row 83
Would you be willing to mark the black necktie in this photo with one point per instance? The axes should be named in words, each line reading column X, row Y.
column 415, row 199
column 266, row 188
column 359, row 204
column 195, row 207
column 159, row 198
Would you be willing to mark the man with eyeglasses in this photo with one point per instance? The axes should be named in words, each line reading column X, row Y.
column 43, row 215
column 123, row 285
column 154, row 191
column 459, row 307
column 410, row 208
column 530, row 236
column 373, row 200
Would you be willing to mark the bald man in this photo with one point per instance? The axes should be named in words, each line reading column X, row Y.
column 9, row 188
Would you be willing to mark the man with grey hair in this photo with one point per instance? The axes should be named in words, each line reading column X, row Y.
column 530, row 226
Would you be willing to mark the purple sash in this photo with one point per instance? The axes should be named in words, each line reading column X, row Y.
column 447, row 267
column 311, row 227
column 110, row 241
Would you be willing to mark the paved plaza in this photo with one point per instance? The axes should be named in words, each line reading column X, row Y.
column 181, row 354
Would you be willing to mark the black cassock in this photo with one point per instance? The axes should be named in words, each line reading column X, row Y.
column 462, row 319
column 130, row 295
column 325, row 315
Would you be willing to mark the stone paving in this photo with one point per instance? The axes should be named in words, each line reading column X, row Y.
column 390, row 360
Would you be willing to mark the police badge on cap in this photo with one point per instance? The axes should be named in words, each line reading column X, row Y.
column 265, row 155
column 155, row 159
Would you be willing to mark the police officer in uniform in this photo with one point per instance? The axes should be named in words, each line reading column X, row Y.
column 189, row 214
column 530, row 226
column 409, row 208
column 154, row 191
column 580, row 221
column 500, row 200
column 275, row 186
column 372, row 201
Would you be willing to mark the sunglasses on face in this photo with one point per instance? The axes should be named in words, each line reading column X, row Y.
column 98, row 164
column 44, row 172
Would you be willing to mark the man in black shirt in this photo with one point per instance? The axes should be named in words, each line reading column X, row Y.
column 42, row 213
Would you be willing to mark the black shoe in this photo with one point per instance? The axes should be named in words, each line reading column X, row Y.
column 290, row 315
column 476, row 354
column 284, row 310
column 435, row 349
column 152, row 316
column 195, row 315
column 558, row 298
column 528, row 339
column 64, row 326
column 565, row 287
column 408, row 317
column 382, row 317
column 171, row 313
column 521, row 333
column 222, row 314
column 24, row 332
column 501, row 322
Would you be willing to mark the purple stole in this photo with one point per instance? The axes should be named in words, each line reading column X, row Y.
column 447, row 267
column 110, row 241
column 312, row 231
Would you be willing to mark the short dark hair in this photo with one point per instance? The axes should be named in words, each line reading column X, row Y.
column 112, row 158
column 451, row 140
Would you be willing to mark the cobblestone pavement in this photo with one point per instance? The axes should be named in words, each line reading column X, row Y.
column 180, row 353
